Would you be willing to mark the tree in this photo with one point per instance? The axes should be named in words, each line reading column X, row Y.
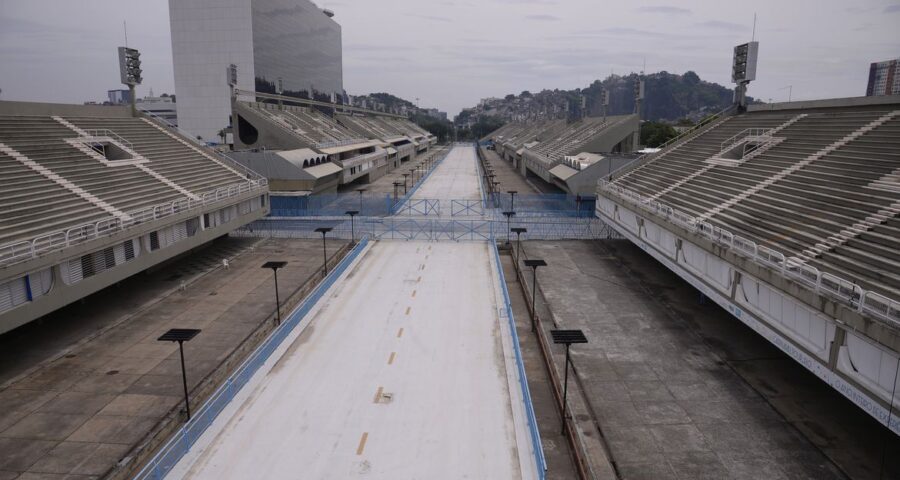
column 654, row 134
column 509, row 97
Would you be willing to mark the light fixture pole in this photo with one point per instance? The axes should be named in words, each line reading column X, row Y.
column 405, row 175
column 275, row 265
column 352, row 214
column 181, row 335
column 512, row 199
column 360, row 190
column 534, row 263
column 567, row 338
column 518, row 231
column 323, row 231
column 508, row 215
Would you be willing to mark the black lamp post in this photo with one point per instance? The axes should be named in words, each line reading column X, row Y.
column 181, row 335
column 518, row 231
column 323, row 231
column 275, row 266
column 396, row 188
column 512, row 199
column 508, row 216
column 405, row 175
column 360, row 190
column 534, row 263
column 352, row 214
column 567, row 338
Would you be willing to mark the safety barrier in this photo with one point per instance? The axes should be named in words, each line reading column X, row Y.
column 427, row 228
column 180, row 443
column 840, row 289
column 16, row 252
column 520, row 367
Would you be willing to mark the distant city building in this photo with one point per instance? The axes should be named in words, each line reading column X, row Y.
column 160, row 107
column 292, row 40
column 884, row 78
column 117, row 97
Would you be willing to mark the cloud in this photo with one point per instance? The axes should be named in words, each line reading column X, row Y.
column 666, row 9
column 543, row 18
column 433, row 18
column 721, row 24
column 892, row 9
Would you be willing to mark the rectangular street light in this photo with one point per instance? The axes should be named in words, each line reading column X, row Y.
column 567, row 338
column 181, row 335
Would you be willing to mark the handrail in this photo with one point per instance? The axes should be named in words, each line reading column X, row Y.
column 340, row 143
column 250, row 174
column 105, row 132
column 747, row 132
column 21, row 251
column 793, row 268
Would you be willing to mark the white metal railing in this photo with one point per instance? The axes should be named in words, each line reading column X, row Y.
column 741, row 136
column 104, row 132
column 846, row 291
column 25, row 250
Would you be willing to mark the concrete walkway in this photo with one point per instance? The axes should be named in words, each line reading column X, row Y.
column 98, row 391
column 668, row 403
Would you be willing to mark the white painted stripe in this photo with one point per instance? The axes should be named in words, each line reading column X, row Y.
column 168, row 182
column 49, row 174
column 193, row 147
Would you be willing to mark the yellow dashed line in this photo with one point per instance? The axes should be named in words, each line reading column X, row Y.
column 391, row 359
column 378, row 394
column 362, row 443
column 400, row 332
column 408, row 309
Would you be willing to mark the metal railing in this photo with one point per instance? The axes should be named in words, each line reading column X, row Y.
column 741, row 136
column 105, row 132
column 25, row 250
column 185, row 437
column 843, row 290
column 520, row 367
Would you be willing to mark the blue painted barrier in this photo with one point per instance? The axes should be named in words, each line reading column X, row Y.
column 520, row 365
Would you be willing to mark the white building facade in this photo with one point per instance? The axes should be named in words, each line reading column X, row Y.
column 266, row 39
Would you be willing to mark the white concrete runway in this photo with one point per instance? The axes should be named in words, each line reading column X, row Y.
column 456, row 178
column 401, row 374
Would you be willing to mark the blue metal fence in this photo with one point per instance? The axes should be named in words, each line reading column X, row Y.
column 523, row 379
column 180, row 443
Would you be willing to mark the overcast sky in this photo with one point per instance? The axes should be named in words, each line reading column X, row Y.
column 451, row 53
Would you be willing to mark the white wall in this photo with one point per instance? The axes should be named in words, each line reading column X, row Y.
column 207, row 36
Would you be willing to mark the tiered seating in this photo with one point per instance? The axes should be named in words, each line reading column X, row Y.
column 678, row 163
column 795, row 196
column 125, row 187
column 32, row 205
column 177, row 162
column 571, row 138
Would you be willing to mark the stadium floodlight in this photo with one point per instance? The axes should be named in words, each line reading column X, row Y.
column 534, row 263
column 130, row 72
column 324, row 231
column 279, row 86
column 181, row 335
column 275, row 265
column 743, row 71
column 567, row 338
column 231, row 75
column 130, row 66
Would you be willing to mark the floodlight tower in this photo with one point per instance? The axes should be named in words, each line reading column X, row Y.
column 743, row 71
column 604, row 102
column 279, row 89
column 231, row 76
column 130, row 72
column 638, row 100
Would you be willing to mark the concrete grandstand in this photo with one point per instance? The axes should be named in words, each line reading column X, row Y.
column 92, row 195
column 569, row 155
column 787, row 216
column 318, row 152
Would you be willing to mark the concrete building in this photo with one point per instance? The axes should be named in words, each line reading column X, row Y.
column 268, row 40
column 159, row 107
column 118, row 97
column 884, row 78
